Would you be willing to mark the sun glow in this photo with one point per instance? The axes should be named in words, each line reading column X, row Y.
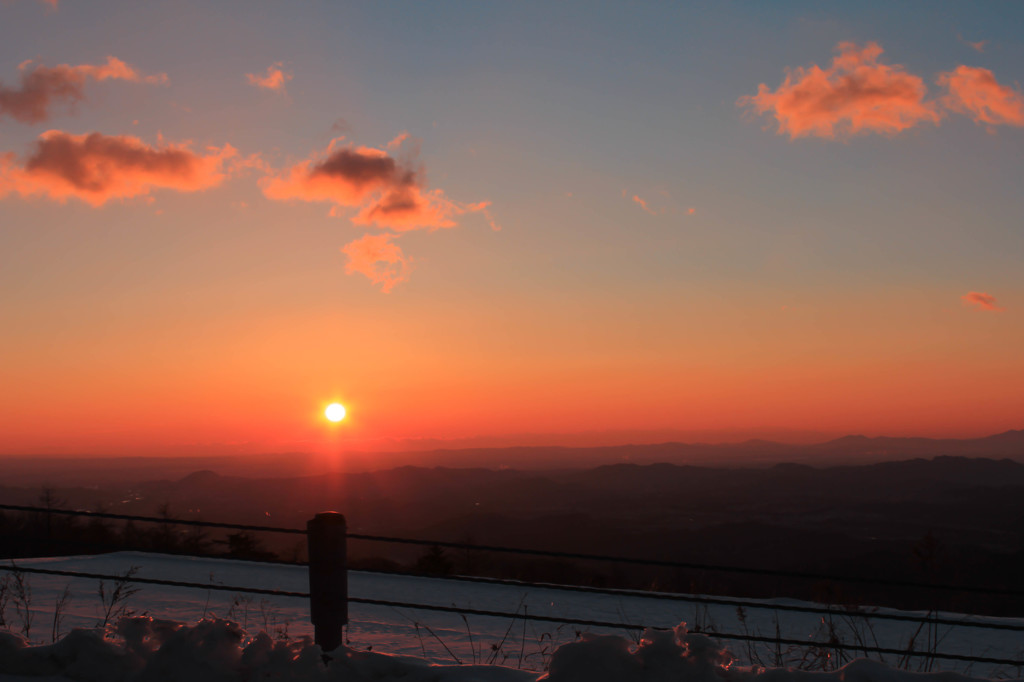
column 335, row 412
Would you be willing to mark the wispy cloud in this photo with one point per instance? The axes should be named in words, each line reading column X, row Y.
column 976, row 92
column 978, row 46
column 856, row 94
column 643, row 204
column 274, row 79
column 42, row 86
column 377, row 257
column 98, row 168
column 398, row 140
column 981, row 300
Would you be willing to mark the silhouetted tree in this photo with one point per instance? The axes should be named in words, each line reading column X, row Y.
column 98, row 532
column 196, row 541
column 130, row 536
column 927, row 553
column 244, row 545
column 165, row 536
column 434, row 562
column 52, row 524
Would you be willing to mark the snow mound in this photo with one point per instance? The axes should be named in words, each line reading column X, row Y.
column 145, row 649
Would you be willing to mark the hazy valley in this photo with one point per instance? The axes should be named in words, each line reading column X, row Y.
column 948, row 519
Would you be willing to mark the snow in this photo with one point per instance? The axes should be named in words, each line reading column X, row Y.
column 180, row 633
column 214, row 650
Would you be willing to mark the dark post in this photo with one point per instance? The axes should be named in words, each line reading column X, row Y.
column 328, row 578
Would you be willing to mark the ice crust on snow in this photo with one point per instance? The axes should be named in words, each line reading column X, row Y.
column 415, row 645
column 144, row 649
column 449, row 638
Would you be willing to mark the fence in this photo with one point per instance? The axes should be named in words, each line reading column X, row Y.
column 327, row 537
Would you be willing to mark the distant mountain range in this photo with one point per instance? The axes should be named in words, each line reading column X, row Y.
column 854, row 449
column 845, row 450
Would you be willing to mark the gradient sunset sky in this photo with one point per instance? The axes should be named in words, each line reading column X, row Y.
column 502, row 221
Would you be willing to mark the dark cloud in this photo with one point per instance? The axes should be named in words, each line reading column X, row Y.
column 42, row 86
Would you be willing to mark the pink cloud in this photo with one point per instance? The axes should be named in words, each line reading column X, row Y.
column 975, row 92
column 691, row 211
column 98, row 168
column 643, row 205
column 483, row 208
column 856, row 94
column 379, row 259
column 347, row 176
column 42, row 86
column 388, row 193
column 274, row 79
column 978, row 46
column 409, row 208
column 398, row 140
column 981, row 300
column 383, row 190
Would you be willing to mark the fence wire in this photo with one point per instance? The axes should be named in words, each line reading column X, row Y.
column 722, row 601
column 696, row 599
column 661, row 563
column 154, row 519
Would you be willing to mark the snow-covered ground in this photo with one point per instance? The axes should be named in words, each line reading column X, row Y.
column 442, row 638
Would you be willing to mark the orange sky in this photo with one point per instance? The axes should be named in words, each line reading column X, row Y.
column 487, row 224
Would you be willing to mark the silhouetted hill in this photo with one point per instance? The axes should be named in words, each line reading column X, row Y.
column 848, row 450
column 1008, row 444
column 874, row 519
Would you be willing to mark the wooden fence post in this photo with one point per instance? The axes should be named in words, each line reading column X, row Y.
column 328, row 578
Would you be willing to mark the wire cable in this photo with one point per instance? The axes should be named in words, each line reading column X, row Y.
column 721, row 601
column 154, row 519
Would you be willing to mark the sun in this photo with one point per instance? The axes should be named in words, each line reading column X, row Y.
column 335, row 412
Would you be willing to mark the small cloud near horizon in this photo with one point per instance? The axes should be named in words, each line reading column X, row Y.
column 42, row 86
column 97, row 168
column 981, row 301
column 275, row 78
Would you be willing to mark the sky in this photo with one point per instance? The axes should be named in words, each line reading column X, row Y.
column 506, row 222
